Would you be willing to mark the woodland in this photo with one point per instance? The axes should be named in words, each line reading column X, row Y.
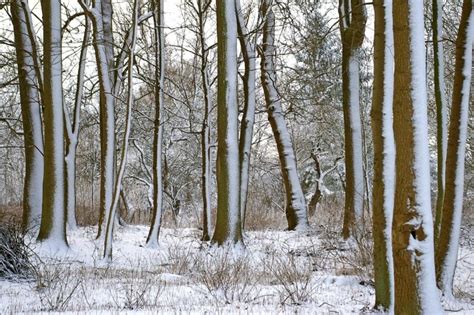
column 236, row 156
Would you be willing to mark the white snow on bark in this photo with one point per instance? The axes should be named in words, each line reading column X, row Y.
column 423, row 250
column 452, row 253
column 356, row 126
column 388, row 143
column 232, row 148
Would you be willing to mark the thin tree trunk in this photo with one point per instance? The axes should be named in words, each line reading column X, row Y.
column 72, row 132
column 118, row 181
column 206, row 127
column 352, row 26
column 441, row 116
column 384, row 156
column 296, row 212
column 247, row 46
column 448, row 243
column 53, row 220
column 228, row 226
column 412, row 230
column 154, row 234
column 31, row 116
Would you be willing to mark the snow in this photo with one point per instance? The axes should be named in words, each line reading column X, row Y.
column 388, row 140
column 451, row 256
column 177, row 269
column 354, row 112
column 425, row 250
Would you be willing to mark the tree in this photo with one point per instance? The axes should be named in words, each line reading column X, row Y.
column 296, row 211
column 159, row 43
column 31, row 113
column 72, row 132
column 228, row 222
column 384, row 153
column 53, row 219
column 352, row 20
column 247, row 46
column 412, row 229
column 440, row 99
column 450, row 228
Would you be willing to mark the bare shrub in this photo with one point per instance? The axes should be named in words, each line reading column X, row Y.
column 226, row 275
column 137, row 290
column 56, row 285
column 15, row 254
column 293, row 279
column 180, row 259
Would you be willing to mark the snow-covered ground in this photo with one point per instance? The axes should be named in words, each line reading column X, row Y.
column 277, row 272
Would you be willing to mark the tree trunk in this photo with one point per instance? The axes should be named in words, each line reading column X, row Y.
column 296, row 212
column 31, row 116
column 53, row 220
column 352, row 26
column 441, row 116
column 384, row 155
column 447, row 250
column 153, row 235
column 228, row 226
column 412, row 230
column 247, row 46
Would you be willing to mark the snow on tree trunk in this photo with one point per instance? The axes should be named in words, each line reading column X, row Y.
column 228, row 226
column 296, row 212
column 72, row 132
column 106, row 113
column 246, row 129
column 53, row 220
column 448, row 243
column 441, row 116
column 352, row 28
column 412, row 230
column 31, row 117
column 384, row 155
column 153, row 236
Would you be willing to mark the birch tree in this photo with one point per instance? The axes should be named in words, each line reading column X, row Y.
column 228, row 225
column 412, row 230
column 448, row 242
column 384, row 155
column 296, row 211
column 31, row 115
column 53, row 219
column 352, row 20
column 152, row 240
column 247, row 46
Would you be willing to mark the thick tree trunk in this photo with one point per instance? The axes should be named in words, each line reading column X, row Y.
column 412, row 230
column 448, row 242
column 352, row 26
column 31, row 116
column 247, row 46
column 53, row 220
column 228, row 226
column 384, row 155
column 296, row 212
column 153, row 235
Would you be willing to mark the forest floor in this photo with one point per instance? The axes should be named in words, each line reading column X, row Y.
column 277, row 272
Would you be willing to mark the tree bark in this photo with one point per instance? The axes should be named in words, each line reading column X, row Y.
column 296, row 212
column 352, row 27
column 153, row 235
column 31, row 116
column 228, row 226
column 384, row 153
column 53, row 219
column 448, row 242
column 412, row 230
